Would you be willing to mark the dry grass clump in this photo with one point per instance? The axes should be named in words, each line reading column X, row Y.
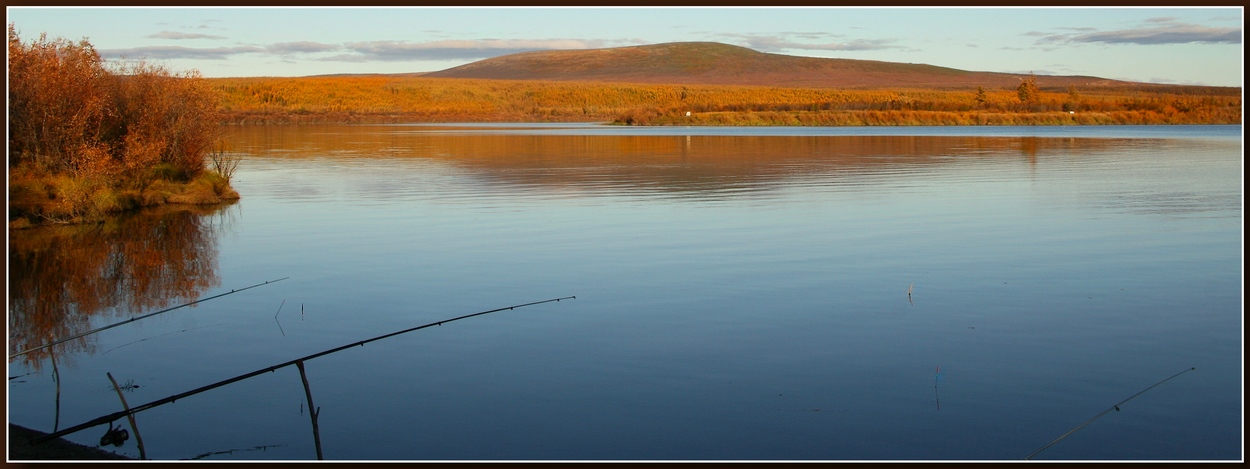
column 36, row 199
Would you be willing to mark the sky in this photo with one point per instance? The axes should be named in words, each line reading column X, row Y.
column 1192, row 46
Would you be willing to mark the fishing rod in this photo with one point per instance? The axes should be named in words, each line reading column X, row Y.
column 1115, row 407
column 110, row 326
column 133, row 410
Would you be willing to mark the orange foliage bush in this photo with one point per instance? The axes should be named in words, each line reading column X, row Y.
column 69, row 113
column 167, row 118
column 109, row 130
column 58, row 103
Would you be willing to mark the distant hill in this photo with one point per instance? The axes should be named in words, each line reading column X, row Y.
column 711, row 63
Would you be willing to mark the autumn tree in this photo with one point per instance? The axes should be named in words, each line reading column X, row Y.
column 69, row 112
column 1027, row 91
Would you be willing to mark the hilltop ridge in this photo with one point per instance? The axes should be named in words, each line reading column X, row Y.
column 713, row 63
column 705, row 83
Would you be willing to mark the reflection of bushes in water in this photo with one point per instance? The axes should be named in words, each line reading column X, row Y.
column 62, row 276
column 660, row 162
column 501, row 151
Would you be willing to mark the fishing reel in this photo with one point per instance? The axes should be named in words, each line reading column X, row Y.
column 114, row 436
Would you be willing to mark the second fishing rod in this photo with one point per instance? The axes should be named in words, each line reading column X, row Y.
column 133, row 410
column 128, row 321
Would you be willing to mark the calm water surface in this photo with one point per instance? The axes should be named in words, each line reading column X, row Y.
column 742, row 293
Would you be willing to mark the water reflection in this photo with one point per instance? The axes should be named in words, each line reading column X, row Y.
column 700, row 166
column 65, row 279
column 1036, row 259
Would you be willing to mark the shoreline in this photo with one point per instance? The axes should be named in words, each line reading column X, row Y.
column 38, row 200
column 60, row 449
column 749, row 119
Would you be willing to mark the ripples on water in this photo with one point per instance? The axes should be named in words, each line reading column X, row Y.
column 741, row 294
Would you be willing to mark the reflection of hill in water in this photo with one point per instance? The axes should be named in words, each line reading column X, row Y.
column 60, row 278
column 657, row 164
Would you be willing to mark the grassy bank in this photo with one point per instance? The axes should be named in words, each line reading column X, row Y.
column 37, row 198
column 902, row 118
column 397, row 98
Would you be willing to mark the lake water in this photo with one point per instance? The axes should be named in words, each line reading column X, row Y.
column 741, row 294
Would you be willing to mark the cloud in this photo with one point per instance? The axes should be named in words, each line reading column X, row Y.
column 812, row 35
column 178, row 35
column 1171, row 81
column 175, row 52
column 389, row 51
column 1168, row 33
column 372, row 51
column 777, row 44
column 1165, row 35
column 1055, row 39
column 344, row 58
column 1037, row 72
column 301, row 47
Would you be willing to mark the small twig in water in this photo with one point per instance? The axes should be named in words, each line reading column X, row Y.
column 275, row 318
column 131, row 417
column 232, row 451
column 128, row 386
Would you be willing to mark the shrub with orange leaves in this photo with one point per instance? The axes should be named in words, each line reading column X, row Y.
column 58, row 102
column 108, row 128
